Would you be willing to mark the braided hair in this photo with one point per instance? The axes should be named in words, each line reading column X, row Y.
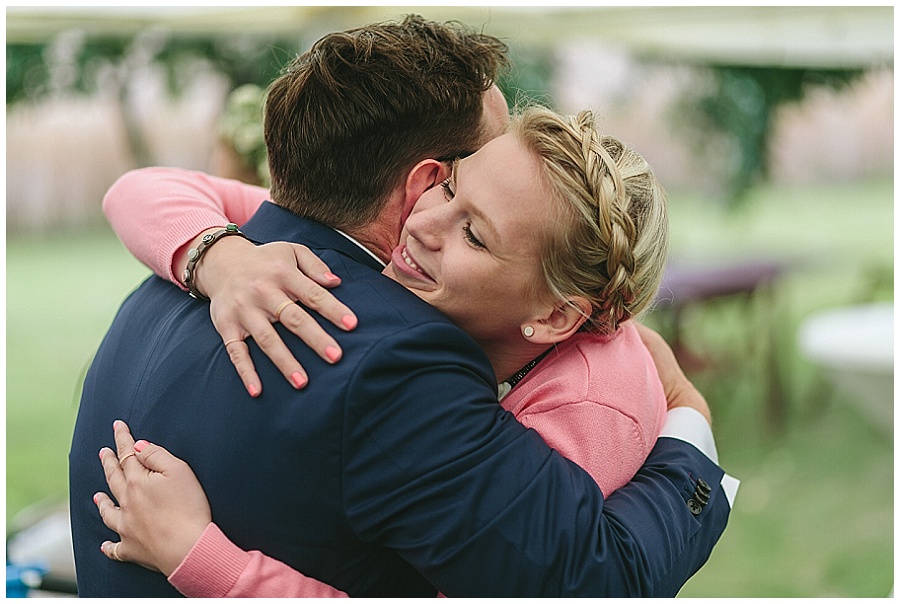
column 612, row 241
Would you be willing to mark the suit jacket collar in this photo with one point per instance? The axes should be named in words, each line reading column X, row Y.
column 273, row 223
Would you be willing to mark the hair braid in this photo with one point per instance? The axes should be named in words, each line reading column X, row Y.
column 612, row 251
column 616, row 223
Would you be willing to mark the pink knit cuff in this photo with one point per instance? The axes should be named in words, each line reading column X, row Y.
column 212, row 566
column 180, row 233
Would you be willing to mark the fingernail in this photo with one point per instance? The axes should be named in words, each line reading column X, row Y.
column 96, row 497
column 298, row 379
column 100, row 454
column 349, row 321
column 139, row 445
column 116, row 423
column 332, row 277
column 333, row 354
column 253, row 390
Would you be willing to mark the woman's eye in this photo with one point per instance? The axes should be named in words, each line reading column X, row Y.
column 448, row 192
column 471, row 238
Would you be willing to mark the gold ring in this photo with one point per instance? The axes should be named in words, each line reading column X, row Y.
column 114, row 554
column 233, row 341
column 284, row 305
column 127, row 455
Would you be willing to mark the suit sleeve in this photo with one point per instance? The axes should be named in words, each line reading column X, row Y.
column 156, row 211
column 437, row 471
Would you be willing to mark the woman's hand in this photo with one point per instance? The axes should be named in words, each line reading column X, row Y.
column 680, row 391
column 252, row 287
column 162, row 508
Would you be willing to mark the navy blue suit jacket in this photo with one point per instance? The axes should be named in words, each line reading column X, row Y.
column 393, row 473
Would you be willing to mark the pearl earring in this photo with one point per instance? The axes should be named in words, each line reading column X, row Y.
column 528, row 331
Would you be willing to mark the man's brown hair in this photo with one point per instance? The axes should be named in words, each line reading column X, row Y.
column 349, row 118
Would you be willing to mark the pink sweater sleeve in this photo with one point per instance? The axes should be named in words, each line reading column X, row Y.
column 217, row 568
column 156, row 211
column 603, row 440
column 598, row 402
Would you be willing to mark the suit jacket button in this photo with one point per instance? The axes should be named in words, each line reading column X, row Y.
column 694, row 507
column 702, row 497
column 701, row 485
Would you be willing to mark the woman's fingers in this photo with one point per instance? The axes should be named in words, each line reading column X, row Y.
column 314, row 295
column 158, row 459
column 314, row 267
column 112, row 469
column 308, row 287
column 260, row 327
column 302, row 324
column 120, row 551
column 161, row 509
column 258, row 324
column 112, row 518
column 239, row 353
column 273, row 346
column 109, row 511
column 124, row 440
column 260, row 287
column 111, row 550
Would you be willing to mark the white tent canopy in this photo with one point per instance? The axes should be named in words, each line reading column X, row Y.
column 793, row 36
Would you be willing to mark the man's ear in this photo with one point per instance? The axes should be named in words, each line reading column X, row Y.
column 425, row 175
column 561, row 321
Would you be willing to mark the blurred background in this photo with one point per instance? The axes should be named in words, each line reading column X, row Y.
column 772, row 129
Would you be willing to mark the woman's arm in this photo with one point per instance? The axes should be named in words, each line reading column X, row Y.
column 607, row 443
column 198, row 558
column 160, row 213
column 164, row 521
column 217, row 568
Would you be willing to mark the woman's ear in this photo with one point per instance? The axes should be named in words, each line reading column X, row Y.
column 561, row 322
column 425, row 175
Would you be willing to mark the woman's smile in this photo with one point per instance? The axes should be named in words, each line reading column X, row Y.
column 404, row 262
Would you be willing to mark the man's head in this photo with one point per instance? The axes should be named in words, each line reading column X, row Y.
column 350, row 117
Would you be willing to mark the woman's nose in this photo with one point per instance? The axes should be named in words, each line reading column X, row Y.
column 428, row 225
column 429, row 199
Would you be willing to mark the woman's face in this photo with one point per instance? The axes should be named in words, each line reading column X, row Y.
column 471, row 246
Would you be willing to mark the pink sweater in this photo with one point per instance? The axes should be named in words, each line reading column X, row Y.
column 597, row 401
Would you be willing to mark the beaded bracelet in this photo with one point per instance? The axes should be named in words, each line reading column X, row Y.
column 194, row 255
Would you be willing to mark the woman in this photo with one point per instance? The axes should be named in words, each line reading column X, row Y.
column 543, row 246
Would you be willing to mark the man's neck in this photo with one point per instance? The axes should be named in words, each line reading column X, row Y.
column 382, row 235
column 377, row 240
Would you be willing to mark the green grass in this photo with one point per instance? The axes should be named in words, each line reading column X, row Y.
column 61, row 295
column 814, row 515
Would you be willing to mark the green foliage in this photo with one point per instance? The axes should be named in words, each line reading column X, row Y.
column 242, row 125
column 73, row 63
column 26, row 71
column 740, row 104
column 528, row 78
column 90, row 56
column 244, row 60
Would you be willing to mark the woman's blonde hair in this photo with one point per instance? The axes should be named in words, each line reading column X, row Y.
column 612, row 243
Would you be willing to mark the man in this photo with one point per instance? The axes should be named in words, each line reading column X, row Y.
column 394, row 472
